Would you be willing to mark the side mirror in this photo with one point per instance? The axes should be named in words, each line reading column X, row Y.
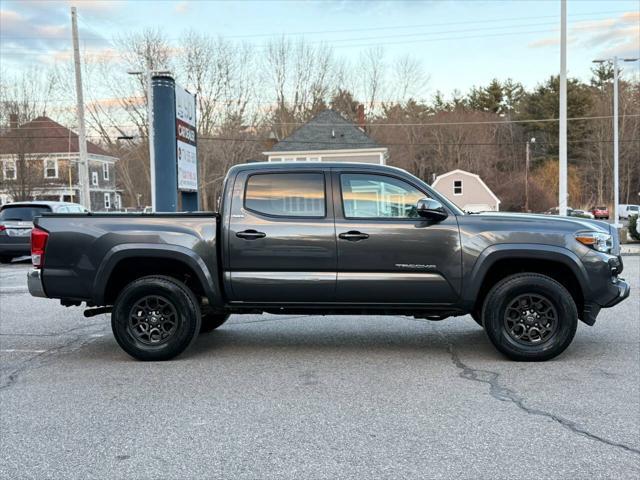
column 432, row 209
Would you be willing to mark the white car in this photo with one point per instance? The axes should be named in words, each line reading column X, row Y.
column 626, row 211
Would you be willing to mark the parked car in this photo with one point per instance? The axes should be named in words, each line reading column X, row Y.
column 16, row 222
column 571, row 212
column 600, row 212
column 330, row 238
column 581, row 214
column 626, row 211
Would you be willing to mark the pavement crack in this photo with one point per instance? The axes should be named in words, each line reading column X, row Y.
column 505, row 394
column 78, row 341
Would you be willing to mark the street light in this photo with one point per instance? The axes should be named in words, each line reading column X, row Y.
column 152, row 154
column 526, row 176
column 616, row 181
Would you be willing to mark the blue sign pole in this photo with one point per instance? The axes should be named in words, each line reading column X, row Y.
column 164, row 125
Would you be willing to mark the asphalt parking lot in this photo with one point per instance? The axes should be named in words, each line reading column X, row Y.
column 314, row 397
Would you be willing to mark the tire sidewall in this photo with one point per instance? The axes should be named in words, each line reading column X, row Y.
column 182, row 300
column 505, row 292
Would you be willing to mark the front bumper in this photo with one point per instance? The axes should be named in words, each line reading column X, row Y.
column 623, row 292
column 34, row 282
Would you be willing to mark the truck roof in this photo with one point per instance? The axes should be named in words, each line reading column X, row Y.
column 312, row 166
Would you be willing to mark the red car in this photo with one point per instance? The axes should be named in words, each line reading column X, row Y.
column 600, row 212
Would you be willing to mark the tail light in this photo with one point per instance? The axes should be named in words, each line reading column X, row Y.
column 38, row 243
column 2, row 227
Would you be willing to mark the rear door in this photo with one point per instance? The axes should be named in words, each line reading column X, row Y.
column 386, row 252
column 281, row 237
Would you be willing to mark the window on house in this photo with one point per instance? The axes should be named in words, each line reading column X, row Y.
column 94, row 179
column 117, row 201
column 51, row 168
column 378, row 196
column 276, row 159
column 457, row 187
column 9, row 170
column 313, row 159
column 105, row 171
column 286, row 194
column 107, row 201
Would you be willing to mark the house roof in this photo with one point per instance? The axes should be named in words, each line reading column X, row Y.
column 328, row 130
column 464, row 172
column 43, row 135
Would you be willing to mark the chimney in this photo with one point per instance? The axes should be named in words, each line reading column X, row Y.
column 13, row 120
column 361, row 121
column 271, row 141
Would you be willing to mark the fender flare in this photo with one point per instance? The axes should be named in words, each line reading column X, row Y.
column 527, row 251
column 185, row 255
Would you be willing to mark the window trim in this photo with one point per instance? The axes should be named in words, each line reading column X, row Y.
column 94, row 178
column 294, row 217
column 380, row 219
column 454, row 188
column 4, row 170
column 105, row 171
column 55, row 167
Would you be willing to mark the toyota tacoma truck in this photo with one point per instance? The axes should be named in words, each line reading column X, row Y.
column 329, row 238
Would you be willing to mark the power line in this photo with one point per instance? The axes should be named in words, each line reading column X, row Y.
column 349, row 30
column 374, row 125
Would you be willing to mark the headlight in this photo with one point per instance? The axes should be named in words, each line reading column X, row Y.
column 599, row 241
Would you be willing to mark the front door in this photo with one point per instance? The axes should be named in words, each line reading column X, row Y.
column 386, row 252
column 282, row 245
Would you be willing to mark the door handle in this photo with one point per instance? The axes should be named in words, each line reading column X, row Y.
column 353, row 236
column 251, row 235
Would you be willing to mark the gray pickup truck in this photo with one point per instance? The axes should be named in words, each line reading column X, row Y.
column 329, row 238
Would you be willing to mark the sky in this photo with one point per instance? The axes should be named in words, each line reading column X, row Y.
column 460, row 43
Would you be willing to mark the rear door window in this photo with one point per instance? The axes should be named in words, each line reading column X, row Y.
column 286, row 194
column 22, row 213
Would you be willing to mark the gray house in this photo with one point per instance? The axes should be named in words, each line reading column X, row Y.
column 328, row 137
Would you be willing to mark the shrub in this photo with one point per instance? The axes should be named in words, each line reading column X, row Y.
column 633, row 228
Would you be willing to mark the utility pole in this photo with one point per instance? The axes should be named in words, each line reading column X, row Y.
column 526, row 176
column 616, row 150
column 152, row 148
column 616, row 179
column 83, row 164
column 562, row 148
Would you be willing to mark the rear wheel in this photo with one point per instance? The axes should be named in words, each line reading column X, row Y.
column 155, row 318
column 530, row 317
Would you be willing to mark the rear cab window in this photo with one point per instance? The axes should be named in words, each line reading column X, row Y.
column 286, row 194
column 22, row 213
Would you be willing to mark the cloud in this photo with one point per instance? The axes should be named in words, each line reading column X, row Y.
column 41, row 28
column 608, row 36
column 182, row 7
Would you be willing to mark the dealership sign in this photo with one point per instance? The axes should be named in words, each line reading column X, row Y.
column 186, row 140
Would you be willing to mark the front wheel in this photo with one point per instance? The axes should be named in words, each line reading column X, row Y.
column 530, row 317
column 155, row 318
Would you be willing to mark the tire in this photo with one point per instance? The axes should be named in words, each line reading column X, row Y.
column 155, row 318
column 212, row 320
column 514, row 312
column 6, row 259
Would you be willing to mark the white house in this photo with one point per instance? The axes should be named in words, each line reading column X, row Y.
column 328, row 137
column 467, row 191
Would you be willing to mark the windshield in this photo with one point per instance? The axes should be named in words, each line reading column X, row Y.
column 22, row 213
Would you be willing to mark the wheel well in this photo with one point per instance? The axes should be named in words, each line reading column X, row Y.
column 509, row 266
column 130, row 269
